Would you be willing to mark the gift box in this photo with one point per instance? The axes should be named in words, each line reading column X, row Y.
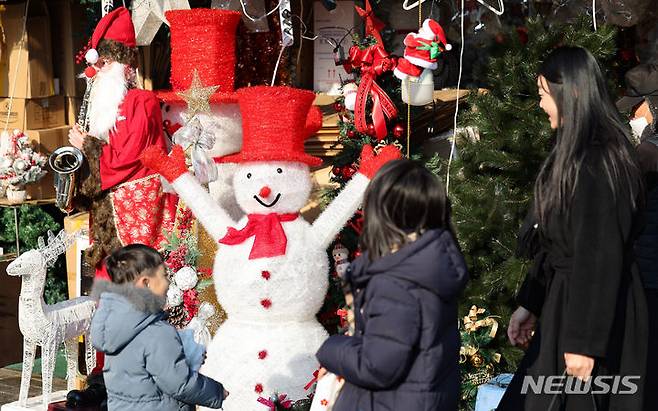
column 490, row 394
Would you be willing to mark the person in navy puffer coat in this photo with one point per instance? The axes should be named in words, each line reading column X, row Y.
column 404, row 353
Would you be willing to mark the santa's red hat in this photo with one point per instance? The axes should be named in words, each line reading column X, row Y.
column 116, row 26
column 202, row 40
column 275, row 123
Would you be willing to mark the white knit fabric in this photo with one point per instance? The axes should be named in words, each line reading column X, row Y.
column 271, row 335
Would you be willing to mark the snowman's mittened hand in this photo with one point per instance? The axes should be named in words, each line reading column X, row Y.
column 170, row 167
column 370, row 163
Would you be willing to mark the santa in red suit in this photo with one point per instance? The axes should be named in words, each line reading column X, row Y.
column 125, row 199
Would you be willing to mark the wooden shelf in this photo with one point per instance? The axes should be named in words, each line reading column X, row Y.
column 5, row 203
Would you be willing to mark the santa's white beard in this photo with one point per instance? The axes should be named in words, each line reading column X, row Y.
column 107, row 93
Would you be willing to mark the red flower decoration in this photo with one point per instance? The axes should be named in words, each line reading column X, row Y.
column 266, row 275
column 262, row 355
column 324, row 403
column 258, row 388
column 191, row 303
column 266, row 303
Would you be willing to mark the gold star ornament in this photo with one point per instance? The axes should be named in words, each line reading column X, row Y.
column 197, row 97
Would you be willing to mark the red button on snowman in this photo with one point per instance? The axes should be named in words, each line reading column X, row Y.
column 271, row 268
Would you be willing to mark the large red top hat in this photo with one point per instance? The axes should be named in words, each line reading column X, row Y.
column 275, row 123
column 202, row 39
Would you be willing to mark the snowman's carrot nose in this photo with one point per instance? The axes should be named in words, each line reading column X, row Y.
column 265, row 192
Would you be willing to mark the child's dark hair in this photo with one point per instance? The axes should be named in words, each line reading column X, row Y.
column 403, row 198
column 127, row 263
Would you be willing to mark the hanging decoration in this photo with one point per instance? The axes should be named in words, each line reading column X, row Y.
column 421, row 54
column 106, row 6
column 148, row 16
column 374, row 26
column 371, row 63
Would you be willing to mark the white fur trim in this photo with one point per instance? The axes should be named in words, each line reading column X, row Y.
column 420, row 62
column 213, row 218
column 399, row 74
column 334, row 217
column 91, row 56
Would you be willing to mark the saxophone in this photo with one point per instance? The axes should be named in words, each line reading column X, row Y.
column 66, row 162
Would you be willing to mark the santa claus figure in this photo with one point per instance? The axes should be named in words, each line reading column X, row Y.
column 271, row 269
column 125, row 198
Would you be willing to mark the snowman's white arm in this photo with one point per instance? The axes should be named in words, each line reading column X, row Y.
column 334, row 217
column 212, row 217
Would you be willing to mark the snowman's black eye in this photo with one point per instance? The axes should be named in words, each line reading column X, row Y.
column 278, row 170
column 248, row 175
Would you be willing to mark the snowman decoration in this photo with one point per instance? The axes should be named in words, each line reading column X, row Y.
column 271, row 269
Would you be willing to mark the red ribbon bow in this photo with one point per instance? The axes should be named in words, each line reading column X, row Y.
column 270, row 239
column 372, row 61
column 281, row 400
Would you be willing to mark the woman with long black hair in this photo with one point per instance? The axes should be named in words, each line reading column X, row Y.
column 582, row 307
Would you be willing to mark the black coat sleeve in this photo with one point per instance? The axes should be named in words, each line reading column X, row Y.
column 380, row 357
column 533, row 290
column 600, row 224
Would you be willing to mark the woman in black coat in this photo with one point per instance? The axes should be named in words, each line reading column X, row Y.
column 584, row 295
column 404, row 354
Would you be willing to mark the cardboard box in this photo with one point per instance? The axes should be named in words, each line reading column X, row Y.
column 46, row 141
column 72, row 35
column 34, row 113
column 72, row 109
column 27, row 69
column 326, row 75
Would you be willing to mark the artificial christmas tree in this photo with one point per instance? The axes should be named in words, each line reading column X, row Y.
column 493, row 176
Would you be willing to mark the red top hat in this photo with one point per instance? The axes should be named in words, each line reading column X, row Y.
column 275, row 123
column 202, row 39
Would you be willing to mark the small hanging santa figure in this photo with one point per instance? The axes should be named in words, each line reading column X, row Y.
column 125, row 198
column 271, row 270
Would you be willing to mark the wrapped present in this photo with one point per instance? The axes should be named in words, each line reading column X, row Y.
column 490, row 394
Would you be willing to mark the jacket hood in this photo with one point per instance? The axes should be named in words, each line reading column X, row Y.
column 433, row 262
column 123, row 312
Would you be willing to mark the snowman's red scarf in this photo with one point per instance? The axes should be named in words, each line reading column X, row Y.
column 270, row 239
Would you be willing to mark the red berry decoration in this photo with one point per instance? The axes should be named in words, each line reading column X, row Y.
column 371, row 129
column 399, row 130
column 266, row 275
column 262, row 355
column 337, row 171
column 351, row 133
column 338, row 107
column 348, row 171
column 258, row 388
column 266, row 303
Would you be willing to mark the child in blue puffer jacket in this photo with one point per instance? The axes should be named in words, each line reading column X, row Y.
column 145, row 367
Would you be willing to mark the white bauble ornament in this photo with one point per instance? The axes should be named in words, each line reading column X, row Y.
column 20, row 164
column 174, row 296
column 349, row 93
column 186, row 278
column 418, row 91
